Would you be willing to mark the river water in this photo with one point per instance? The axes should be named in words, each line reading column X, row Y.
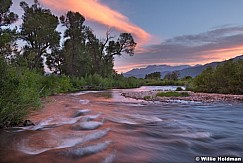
column 107, row 127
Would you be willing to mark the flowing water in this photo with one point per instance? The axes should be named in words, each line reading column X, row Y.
column 106, row 127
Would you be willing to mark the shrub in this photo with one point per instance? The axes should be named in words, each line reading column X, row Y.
column 226, row 78
column 53, row 84
column 179, row 89
column 19, row 93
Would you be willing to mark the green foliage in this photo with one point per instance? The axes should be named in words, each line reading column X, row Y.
column 226, row 78
column 172, row 94
column 187, row 78
column 75, row 61
column 19, row 93
column 131, row 82
column 7, row 36
column 53, row 84
column 205, row 81
column 84, row 61
column 83, row 53
column 154, row 75
column 39, row 32
column 77, row 83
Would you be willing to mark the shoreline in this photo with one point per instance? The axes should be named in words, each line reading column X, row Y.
column 197, row 97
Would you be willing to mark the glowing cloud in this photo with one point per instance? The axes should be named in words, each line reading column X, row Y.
column 223, row 54
column 98, row 12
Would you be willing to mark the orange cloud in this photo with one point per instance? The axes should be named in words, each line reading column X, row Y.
column 98, row 12
column 223, row 54
column 205, row 57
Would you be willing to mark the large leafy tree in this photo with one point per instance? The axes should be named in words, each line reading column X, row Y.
column 6, row 35
column 93, row 48
column 39, row 32
column 76, row 62
column 83, row 53
column 125, row 44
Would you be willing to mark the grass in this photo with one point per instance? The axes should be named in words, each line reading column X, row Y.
column 172, row 94
column 146, row 97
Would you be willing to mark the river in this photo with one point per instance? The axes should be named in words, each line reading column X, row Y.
column 107, row 127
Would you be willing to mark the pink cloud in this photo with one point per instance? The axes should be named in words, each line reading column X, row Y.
column 96, row 11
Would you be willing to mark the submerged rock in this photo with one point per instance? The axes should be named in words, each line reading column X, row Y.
column 80, row 112
column 83, row 151
column 89, row 125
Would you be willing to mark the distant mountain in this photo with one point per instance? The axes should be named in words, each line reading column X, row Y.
column 196, row 70
column 184, row 70
column 163, row 69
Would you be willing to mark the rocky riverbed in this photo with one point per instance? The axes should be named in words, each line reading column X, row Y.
column 198, row 97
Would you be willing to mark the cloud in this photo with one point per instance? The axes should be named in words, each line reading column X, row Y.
column 96, row 11
column 214, row 45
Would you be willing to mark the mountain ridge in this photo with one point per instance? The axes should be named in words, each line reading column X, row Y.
column 184, row 70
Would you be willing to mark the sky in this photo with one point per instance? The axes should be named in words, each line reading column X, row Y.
column 173, row 32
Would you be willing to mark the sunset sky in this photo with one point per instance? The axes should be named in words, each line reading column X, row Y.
column 171, row 32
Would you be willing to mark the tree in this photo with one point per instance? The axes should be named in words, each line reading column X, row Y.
column 205, row 81
column 76, row 62
column 54, row 61
column 6, row 35
column 93, row 48
column 125, row 44
column 39, row 32
column 172, row 75
column 239, row 77
column 154, row 75
column 83, row 53
column 225, row 78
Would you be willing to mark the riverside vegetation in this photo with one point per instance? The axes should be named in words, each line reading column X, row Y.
column 81, row 61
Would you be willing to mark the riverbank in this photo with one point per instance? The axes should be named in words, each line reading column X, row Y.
column 198, row 97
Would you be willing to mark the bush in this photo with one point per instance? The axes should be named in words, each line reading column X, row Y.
column 226, row 78
column 77, row 83
column 53, row 84
column 179, row 89
column 19, row 93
